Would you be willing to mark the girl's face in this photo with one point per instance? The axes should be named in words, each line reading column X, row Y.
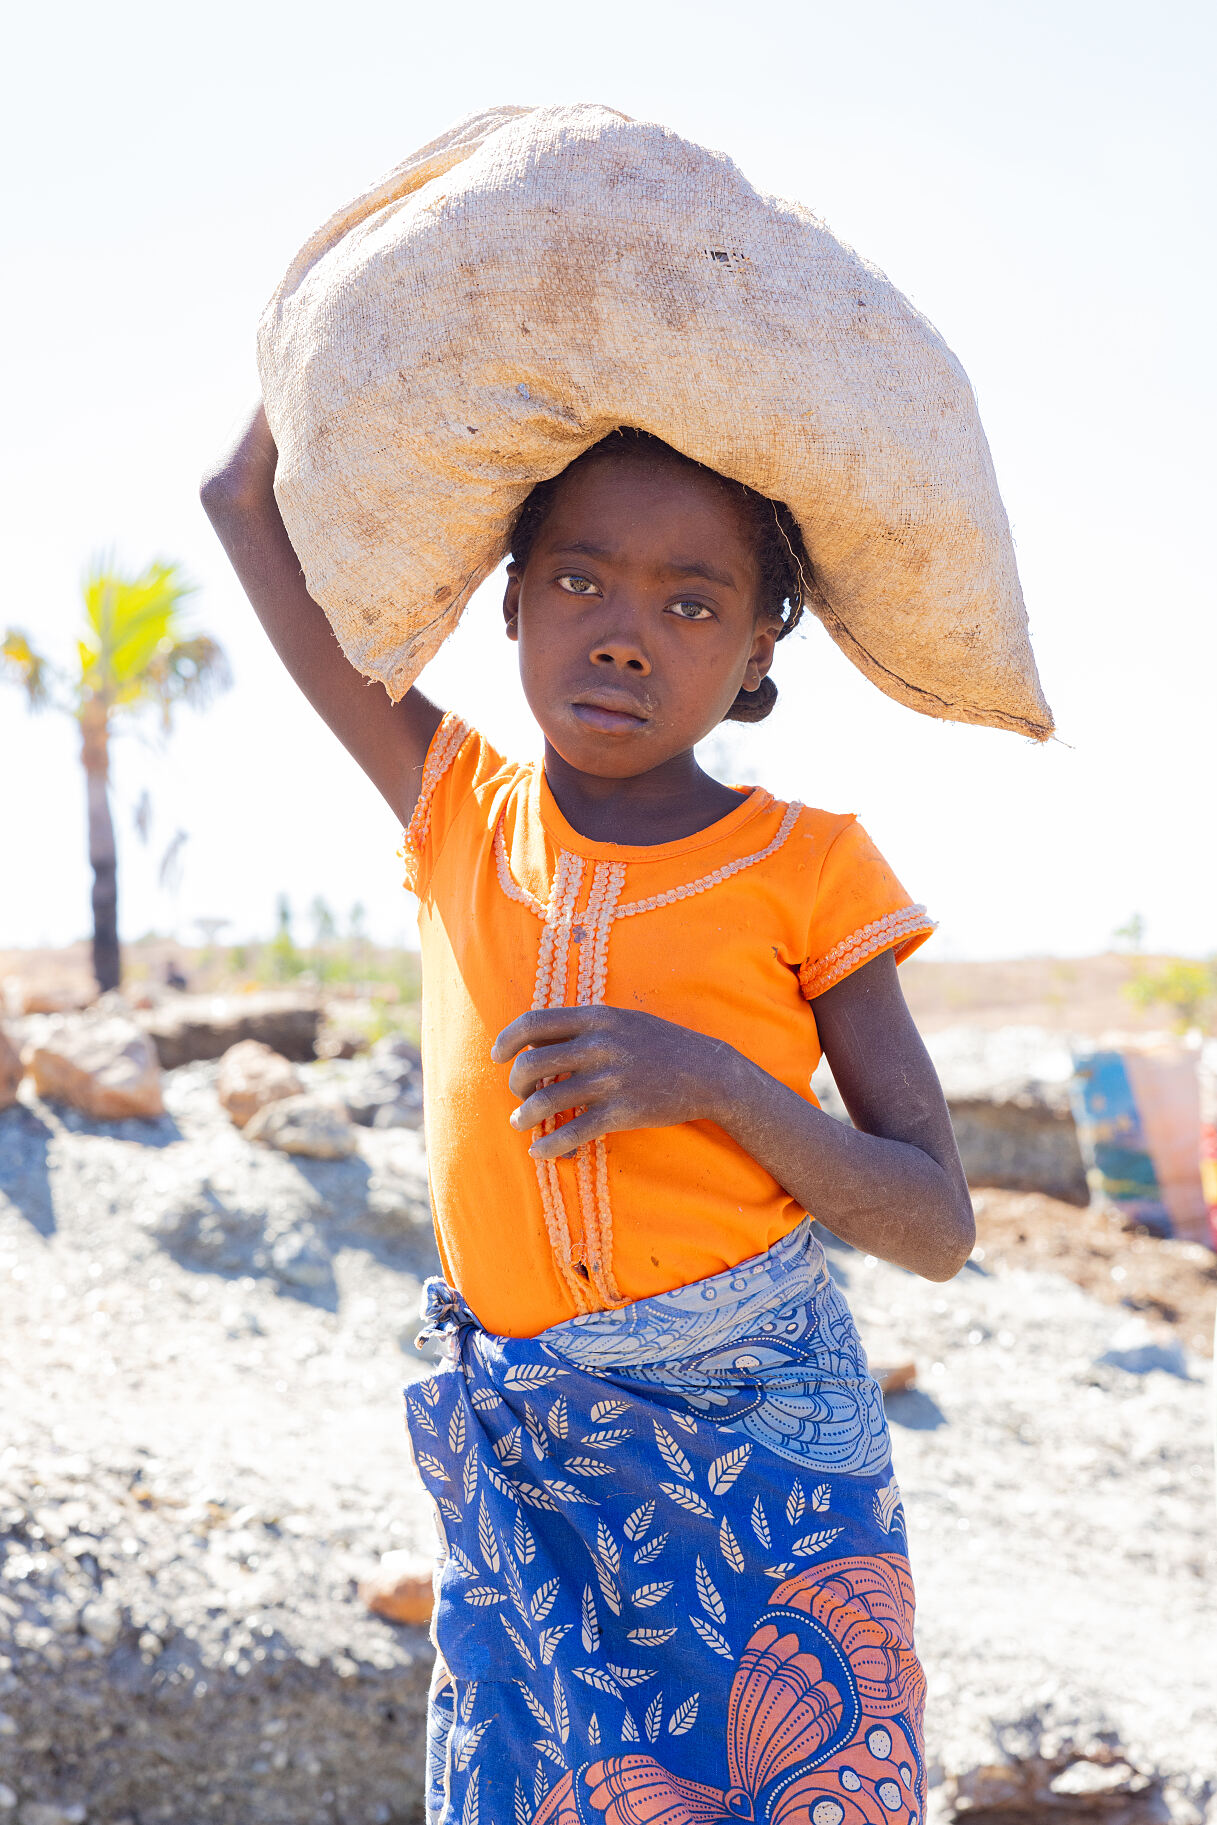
column 636, row 615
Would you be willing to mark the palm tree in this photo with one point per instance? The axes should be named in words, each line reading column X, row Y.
column 136, row 653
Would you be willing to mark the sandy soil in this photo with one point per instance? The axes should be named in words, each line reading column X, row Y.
column 1174, row 1284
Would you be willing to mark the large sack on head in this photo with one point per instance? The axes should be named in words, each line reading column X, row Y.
column 538, row 277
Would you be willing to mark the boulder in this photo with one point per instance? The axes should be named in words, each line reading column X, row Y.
column 385, row 1089
column 1020, row 1140
column 251, row 1076
column 1008, row 1090
column 401, row 1589
column 191, row 1028
column 105, row 1066
column 1008, row 1093
column 304, row 1125
column 21, row 996
column 10, row 1070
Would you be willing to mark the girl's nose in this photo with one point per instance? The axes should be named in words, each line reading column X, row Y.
column 623, row 651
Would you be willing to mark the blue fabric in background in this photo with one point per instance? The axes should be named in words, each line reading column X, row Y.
column 1119, row 1164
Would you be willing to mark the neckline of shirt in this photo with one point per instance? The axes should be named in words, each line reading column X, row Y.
column 545, row 806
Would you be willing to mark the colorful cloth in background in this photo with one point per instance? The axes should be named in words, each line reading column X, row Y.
column 1118, row 1163
column 676, row 1585
column 1207, row 1076
column 1139, row 1124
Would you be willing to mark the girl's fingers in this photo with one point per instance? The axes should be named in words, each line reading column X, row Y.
column 539, row 1063
column 549, row 1100
column 542, row 1027
column 589, row 1126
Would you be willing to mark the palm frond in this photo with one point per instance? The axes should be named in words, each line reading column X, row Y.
column 130, row 619
column 139, row 649
column 26, row 667
column 191, row 671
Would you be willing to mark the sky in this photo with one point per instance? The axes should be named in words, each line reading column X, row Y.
column 1036, row 177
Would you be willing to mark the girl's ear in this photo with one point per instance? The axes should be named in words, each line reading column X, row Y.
column 761, row 657
column 511, row 602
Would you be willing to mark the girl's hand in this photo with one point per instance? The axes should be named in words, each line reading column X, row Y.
column 891, row 1184
column 618, row 1067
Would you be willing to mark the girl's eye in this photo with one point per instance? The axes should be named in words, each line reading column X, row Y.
column 692, row 611
column 575, row 585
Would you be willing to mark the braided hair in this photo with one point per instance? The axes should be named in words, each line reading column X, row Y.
column 781, row 556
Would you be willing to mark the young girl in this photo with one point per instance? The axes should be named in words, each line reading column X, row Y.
column 675, row 1585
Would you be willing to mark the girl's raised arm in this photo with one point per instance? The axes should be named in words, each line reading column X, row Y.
column 389, row 741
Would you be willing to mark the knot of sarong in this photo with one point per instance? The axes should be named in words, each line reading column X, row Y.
column 443, row 1312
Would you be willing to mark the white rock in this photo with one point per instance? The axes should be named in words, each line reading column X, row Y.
column 304, row 1125
column 1140, row 1351
column 102, row 1622
column 1087, row 1779
column 300, row 1258
column 8, row 1799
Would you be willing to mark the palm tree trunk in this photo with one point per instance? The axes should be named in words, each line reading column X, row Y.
column 103, row 855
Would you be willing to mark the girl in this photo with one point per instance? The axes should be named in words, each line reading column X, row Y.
column 675, row 1585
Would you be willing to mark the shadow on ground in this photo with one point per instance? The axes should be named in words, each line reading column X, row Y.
column 914, row 1409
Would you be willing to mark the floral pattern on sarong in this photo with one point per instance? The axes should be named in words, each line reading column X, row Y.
column 675, row 1587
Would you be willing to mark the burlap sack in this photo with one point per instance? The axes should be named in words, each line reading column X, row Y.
column 537, row 277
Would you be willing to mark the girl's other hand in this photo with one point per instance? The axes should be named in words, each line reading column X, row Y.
column 388, row 740
column 616, row 1067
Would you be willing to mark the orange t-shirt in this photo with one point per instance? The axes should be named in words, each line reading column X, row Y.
column 729, row 932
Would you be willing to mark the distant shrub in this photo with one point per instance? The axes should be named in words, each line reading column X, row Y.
column 1185, row 987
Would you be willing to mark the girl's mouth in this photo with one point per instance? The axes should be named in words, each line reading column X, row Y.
column 609, row 713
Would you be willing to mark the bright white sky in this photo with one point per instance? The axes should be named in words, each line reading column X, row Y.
column 1035, row 174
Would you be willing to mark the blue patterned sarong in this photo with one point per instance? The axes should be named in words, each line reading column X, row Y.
column 676, row 1586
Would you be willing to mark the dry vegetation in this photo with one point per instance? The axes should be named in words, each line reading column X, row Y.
column 1091, row 995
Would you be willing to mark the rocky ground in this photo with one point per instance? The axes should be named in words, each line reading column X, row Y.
column 202, row 1351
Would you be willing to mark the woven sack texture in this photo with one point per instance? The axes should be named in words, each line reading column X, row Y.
column 537, row 277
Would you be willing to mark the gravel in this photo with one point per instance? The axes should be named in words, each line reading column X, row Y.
column 200, row 1371
column 203, row 1351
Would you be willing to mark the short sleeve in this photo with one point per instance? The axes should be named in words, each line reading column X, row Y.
column 860, row 911
column 458, row 761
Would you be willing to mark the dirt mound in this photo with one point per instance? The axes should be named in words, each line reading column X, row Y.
column 1173, row 1284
